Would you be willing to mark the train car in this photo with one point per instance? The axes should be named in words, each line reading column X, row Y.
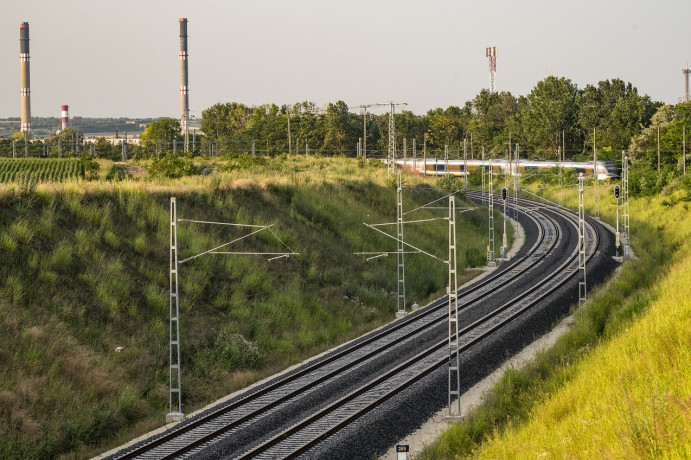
column 438, row 167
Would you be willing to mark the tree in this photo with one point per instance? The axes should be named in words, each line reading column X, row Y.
column 616, row 111
column 163, row 131
column 643, row 147
column 549, row 109
column 491, row 119
column 225, row 120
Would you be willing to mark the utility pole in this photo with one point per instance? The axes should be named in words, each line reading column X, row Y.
column 446, row 160
column 364, row 129
column 176, row 413
column 451, row 290
column 490, row 246
column 289, row 140
column 472, row 151
column 465, row 164
column 482, row 169
column 561, row 203
column 517, row 184
column 625, row 204
column 454, row 349
column 504, row 244
column 424, row 152
column 658, row 150
column 597, row 196
column 684, row 146
column 391, row 159
column 400, row 248
column 582, row 289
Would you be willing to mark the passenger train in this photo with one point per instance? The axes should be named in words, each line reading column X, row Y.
column 437, row 166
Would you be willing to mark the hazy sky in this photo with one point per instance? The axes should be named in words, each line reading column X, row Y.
column 121, row 58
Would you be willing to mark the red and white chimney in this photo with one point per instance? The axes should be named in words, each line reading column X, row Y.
column 65, row 116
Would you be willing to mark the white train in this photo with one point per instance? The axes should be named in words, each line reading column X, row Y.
column 437, row 166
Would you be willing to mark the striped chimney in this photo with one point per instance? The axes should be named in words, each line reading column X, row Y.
column 65, row 116
column 25, row 76
column 184, row 98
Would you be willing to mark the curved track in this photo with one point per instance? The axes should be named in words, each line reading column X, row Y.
column 304, row 412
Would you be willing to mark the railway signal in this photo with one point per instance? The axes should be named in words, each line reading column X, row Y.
column 618, row 240
column 503, row 193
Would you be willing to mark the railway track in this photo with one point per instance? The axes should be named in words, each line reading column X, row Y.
column 292, row 414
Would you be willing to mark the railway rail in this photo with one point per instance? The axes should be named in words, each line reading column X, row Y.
column 293, row 414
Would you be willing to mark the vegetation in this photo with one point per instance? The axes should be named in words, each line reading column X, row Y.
column 85, row 271
column 34, row 170
column 555, row 113
column 617, row 384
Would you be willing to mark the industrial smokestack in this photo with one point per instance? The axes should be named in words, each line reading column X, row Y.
column 184, row 98
column 25, row 76
column 65, row 116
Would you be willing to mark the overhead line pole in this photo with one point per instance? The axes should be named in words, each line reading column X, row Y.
column 582, row 287
column 176, row 413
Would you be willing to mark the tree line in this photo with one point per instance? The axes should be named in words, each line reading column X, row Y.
column 555, row 114
column 611, row 116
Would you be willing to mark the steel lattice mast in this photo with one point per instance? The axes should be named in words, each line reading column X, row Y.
column 454, row 355
column 400, row 247
column 175, row 413
column 582, row 286
column 490, row 202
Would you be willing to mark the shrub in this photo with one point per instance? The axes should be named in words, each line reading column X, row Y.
column 172, row 166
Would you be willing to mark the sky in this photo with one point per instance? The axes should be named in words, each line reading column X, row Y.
column 121, row 59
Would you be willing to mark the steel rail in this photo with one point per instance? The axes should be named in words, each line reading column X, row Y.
column 418, row 375
column 435, row 307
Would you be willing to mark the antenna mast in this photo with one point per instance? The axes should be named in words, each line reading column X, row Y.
column 491, row 53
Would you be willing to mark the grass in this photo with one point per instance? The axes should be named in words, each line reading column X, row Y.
column 617, row 384
column 85, row 271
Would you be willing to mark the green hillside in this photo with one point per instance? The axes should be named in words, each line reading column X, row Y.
column 85, row 270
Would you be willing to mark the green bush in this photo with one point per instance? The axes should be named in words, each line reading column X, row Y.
column 172, row 166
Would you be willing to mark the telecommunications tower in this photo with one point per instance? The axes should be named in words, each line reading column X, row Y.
column 686, row 81
column 491, row 53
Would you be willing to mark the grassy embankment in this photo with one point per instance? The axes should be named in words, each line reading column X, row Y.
column 85, row 270
column 618, row 385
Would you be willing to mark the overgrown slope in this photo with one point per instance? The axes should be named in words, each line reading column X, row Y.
column 85, row 270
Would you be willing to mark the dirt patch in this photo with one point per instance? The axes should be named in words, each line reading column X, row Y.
column 132, row 170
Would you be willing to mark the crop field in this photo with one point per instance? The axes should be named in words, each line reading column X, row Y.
column 39, row 169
